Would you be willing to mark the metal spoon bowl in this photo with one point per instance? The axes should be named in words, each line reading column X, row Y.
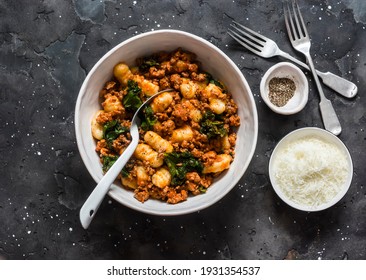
column 91, row 205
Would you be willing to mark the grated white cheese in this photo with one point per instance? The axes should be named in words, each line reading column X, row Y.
column 310, row 171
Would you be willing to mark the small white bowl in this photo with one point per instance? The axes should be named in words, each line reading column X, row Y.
column 213, row 61
column 325, row 136
column 300, row 98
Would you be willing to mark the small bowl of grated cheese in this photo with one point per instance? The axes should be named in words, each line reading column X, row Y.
column 310, row 169
column 284, row 88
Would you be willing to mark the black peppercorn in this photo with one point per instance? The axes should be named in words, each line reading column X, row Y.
column 281, row 90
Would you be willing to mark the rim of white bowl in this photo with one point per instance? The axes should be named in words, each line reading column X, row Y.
column 305, row 94
column 172, row 211
column 306, row 131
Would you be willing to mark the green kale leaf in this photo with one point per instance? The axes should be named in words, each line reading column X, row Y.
column 111, row 130
column 212, row 125
column 147, row 63
column 125, row 172
column 211, row 80
column 180, row 164
column 108, row 161
column 202, row 189
column 148, row 119
column 131, row 101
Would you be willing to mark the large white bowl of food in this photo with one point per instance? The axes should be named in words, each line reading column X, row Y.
column 196, row 141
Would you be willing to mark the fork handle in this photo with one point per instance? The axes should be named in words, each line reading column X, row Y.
column 338, row 84
column 335, row 82
column 329, row 116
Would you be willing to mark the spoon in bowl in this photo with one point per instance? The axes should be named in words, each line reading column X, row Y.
column 91, row 205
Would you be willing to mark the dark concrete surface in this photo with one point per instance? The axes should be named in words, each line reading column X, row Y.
column 47, row 49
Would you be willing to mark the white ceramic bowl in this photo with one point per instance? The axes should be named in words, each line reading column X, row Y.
column 325, row 136
column 213, row 61
column 300, row 98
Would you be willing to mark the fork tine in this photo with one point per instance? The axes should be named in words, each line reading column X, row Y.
column 286, row 12
column 249, row 38
column 294, row 29
column 251, row 31
column 242, row 41
column 304, row 29
column 298, row 26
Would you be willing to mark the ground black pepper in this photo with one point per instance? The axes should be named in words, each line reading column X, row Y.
column 281, row 90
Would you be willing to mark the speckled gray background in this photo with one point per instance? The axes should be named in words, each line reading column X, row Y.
column 47, row 49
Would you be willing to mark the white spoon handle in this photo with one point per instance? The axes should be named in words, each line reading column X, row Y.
column 91, row 205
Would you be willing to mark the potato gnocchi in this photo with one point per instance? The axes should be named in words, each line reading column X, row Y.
column 187, row 136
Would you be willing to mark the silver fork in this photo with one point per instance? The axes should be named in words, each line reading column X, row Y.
column 265, row 47
column 299, row 37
